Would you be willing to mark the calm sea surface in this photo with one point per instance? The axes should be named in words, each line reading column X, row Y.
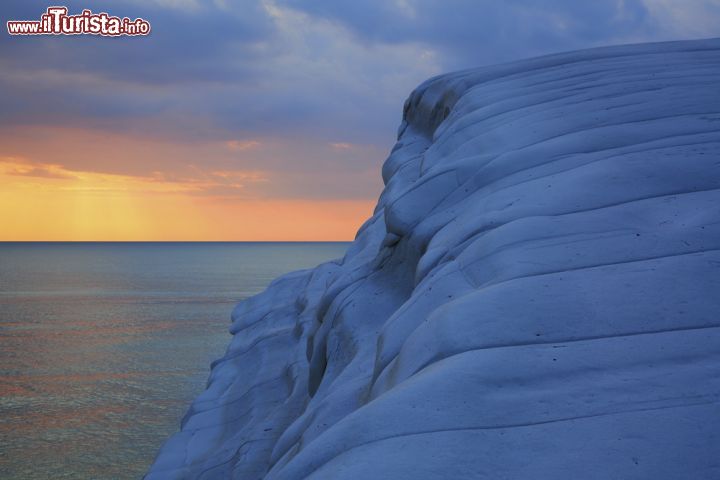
column 104, row 345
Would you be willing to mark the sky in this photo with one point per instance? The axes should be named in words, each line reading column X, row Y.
column 254, row 120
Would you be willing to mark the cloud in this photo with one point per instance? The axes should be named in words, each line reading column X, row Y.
column 196, row 182
column 685, row 19
column 40, row 173
column 341, row 145
column 22, row 168
column 212, row 42
column 468, row 33
column 251, row 169
column 312, row 66
column 231, row 66
column 241, row 144
column 307, row 91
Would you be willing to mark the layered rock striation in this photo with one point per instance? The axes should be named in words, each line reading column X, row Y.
column 537, row 295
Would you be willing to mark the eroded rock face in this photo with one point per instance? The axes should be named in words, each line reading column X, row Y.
column 536, row 297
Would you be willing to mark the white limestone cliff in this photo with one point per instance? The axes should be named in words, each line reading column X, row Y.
column 537, row 295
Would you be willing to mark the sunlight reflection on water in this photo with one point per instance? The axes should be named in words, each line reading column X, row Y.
column 103, row 346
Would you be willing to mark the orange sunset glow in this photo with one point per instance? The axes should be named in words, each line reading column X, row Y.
column 117, row 187
column 50, row 203
column 246, row 130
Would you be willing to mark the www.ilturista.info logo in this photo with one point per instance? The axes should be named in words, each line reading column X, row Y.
column 56, row 21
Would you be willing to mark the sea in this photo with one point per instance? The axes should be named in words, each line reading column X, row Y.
column 104, row 345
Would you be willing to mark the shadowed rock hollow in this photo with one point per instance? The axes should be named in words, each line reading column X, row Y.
column 537, row 295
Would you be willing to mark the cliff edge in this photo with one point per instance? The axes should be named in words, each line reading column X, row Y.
column 537, row 295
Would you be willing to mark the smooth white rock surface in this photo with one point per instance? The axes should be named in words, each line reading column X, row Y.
column 536, row 297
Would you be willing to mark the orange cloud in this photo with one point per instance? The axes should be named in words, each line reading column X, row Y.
column 25, row 168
